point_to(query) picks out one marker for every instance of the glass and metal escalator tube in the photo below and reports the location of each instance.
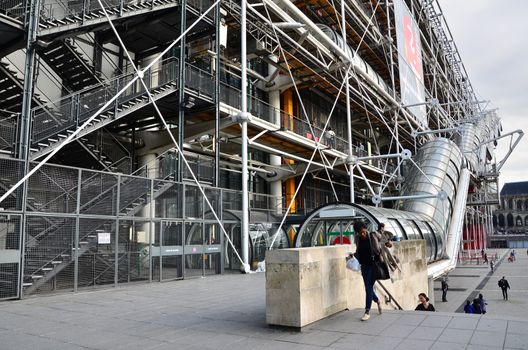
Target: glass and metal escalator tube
(333, 223)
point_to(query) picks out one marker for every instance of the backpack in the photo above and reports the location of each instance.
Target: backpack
(500, 283)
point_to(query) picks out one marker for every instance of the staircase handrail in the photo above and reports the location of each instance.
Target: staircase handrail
(70, 113)
(9, 6)
(391, 297)
(106, 83)
(297, 124)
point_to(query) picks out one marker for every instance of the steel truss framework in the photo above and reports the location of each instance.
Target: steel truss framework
(291, 117)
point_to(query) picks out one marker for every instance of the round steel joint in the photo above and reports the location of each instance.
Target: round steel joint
(406, 154)
(376, 199)
(442, 195)
(243, 116)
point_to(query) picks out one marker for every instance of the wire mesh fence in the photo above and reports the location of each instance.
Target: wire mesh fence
(86, 228)
(10, 250)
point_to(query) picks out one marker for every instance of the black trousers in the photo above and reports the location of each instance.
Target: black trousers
(444, 295)
(505, 293)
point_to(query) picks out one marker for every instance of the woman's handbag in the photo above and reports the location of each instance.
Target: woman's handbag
(380, 270)
(353, 264)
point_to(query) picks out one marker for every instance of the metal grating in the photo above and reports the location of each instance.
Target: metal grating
(10, 173)
(168, 203)
(10, 255)
(53, 189)
(96, 253)
(98, 193)
(48, 254)
(134, 195)
(133, 254)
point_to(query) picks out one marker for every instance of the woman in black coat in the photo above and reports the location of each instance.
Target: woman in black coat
(367, 249)
(424, 303)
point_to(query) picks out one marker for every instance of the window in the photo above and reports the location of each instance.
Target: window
(398, 229)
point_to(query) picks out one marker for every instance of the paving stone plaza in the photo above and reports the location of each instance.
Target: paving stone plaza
(228, 312)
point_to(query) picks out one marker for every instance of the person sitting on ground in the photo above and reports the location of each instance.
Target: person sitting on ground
(482, 303)
(476, 306)
(468, 309)
(424, 303)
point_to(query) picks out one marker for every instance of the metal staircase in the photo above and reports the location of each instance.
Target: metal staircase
(60, 16)
(50, 251)
(12, 89)
(107, 151)
(67, 61)
(52, 126)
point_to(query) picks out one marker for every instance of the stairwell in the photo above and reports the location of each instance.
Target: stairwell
(60, 17)
(50, 249)
(68, 62)
(51, 127)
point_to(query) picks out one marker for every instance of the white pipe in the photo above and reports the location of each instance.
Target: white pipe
(438, 268)
(350, 162)
(244, 118)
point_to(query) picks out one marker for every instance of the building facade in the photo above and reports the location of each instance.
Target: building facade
(149, 140)
(510, 219)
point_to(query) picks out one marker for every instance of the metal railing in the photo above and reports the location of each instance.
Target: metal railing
(82, 9)
(8, 129)
(74, 109)
(106, 145)
(14, 8)
(262, 110)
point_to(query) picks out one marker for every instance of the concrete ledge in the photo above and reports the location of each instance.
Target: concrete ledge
(304, 285)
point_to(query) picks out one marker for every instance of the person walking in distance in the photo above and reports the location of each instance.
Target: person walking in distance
(367, 249)
(445, 287)
(504, 285)
(491, 265)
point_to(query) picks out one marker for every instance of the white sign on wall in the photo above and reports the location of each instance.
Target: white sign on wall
(103, 237)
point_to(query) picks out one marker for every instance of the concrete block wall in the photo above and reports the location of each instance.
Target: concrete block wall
(304, 285)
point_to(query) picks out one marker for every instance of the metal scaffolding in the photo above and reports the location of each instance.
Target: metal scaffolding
(155, 105)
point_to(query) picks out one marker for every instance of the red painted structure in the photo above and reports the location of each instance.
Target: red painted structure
(473, 237)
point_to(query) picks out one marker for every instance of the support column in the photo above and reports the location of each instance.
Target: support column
(243, 119)
(430, 292)
(181, 91)
(24, 126)
(350, 158)
(289, 184)
(274, 101)
(149, 162)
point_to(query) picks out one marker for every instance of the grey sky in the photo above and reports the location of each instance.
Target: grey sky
(490, 36)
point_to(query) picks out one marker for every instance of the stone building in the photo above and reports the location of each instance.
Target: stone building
(512, 215)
